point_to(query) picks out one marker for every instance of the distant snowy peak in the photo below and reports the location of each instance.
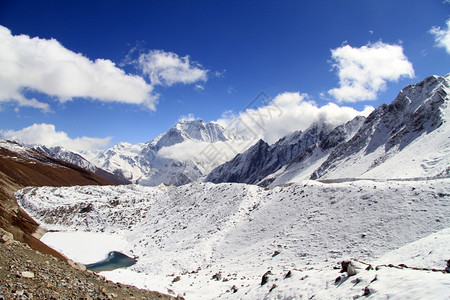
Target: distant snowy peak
(193, 130)
(143, 164)
(66, 155)
(76, 159)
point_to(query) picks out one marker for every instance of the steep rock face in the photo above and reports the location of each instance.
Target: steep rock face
(261, 160)
(301, 166)
(244, 167)
(415, 115)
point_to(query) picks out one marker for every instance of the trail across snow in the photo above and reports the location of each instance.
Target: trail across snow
(183, 236)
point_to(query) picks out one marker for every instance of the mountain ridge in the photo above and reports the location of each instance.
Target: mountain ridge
(368, 148)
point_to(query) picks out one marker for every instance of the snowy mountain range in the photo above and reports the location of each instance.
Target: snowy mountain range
(146, 165)
(357, 210)
(60, 153)
(408, 138)
(262, 160)
(389, 143)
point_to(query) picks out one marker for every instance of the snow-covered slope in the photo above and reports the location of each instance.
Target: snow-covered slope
(59, 152)
(408, 138)
(261, 160)
(66, 155)
(149, 164)
(188, 237)
(304, 164)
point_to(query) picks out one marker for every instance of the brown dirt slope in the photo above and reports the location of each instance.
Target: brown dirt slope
(21, 167)
(28, 274)
(52, 276)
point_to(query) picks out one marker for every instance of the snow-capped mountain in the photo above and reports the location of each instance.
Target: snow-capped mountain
(381, 204)
(192, 130)
(408, 138)
(301, 166)
(262, 160)
(59, 152)
(146, 163)
(66, 155)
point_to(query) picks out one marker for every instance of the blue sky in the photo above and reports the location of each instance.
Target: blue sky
(101, 72)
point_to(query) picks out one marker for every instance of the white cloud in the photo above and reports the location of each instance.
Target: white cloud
(363, 72)
(167, 68)
(45, 66)
(285, 114)
(192, 151)
(187, 118)
(220, 74)
(45, 134)
(442, 36)
(199, 87)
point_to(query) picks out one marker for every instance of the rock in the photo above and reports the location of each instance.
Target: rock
(76, 265)
(178, 278)
(276, 253)
(288, 274)
(217, 276)
(5, 236)
(274, 286)
(234, 289)
(348, 267)
(366, 291)
(27, 274)
(265, 277)
(351, 270)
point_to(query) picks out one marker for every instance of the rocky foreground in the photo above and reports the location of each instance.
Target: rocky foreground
(28, 274)
(40, 272)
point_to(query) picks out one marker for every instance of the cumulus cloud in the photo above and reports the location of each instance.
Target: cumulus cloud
(442, 36)
(168, 68)
(285, 114)
(365, 71)
(46, 66)
(200, 152)
(273, 120)
(46, 134)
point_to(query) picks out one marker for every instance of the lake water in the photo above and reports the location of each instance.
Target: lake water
(113, 261)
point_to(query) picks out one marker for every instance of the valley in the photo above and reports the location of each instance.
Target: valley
(275, 221)
(240, 231)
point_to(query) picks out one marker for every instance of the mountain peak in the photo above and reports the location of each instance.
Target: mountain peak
(194, 130)
(429, 89)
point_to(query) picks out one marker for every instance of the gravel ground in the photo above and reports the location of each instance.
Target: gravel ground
(28, 274)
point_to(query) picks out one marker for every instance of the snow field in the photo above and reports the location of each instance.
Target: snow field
(241, 231)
